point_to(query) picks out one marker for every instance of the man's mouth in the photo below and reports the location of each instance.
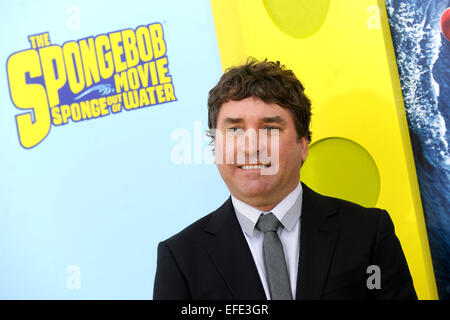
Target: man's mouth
(254, 166)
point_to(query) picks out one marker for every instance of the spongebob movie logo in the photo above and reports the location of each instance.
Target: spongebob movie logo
(87, 79)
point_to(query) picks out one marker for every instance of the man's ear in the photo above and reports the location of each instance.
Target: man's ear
(303, 148)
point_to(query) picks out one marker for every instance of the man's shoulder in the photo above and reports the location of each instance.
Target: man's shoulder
(353, 208)
(191, 230)
(193, 233)
(359, 223)
(348, 210)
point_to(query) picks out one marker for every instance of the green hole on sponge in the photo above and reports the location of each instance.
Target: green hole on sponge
(342, 168)
(298, 18)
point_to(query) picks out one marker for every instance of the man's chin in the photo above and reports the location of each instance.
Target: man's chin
(254, 196)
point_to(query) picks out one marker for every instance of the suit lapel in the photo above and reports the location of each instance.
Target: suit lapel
(318, 237)
(229, 251)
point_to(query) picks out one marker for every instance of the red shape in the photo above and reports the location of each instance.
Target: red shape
(445, 24)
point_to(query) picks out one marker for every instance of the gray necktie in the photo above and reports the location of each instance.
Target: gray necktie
(274, 261)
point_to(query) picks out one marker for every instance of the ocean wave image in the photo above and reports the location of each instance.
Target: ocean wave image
(420, 31)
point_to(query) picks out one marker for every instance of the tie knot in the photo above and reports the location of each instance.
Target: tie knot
(267, 222)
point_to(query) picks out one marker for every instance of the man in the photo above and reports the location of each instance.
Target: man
(275, 238)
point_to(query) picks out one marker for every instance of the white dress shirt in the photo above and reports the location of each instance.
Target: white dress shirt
(288, 212)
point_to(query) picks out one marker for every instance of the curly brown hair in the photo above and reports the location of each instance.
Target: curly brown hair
(269, 81)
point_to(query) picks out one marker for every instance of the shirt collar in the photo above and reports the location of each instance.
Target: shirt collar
(288, 211)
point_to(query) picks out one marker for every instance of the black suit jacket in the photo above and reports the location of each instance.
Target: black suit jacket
(211, 259)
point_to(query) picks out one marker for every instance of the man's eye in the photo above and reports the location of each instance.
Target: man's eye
(234, 130)
(270, 128)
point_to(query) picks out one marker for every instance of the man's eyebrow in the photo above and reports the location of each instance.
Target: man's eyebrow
(229, 120)
(274, 119)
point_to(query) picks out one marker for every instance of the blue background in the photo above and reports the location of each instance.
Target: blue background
(100, 194)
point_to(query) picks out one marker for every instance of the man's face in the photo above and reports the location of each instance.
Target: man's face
(257, 151)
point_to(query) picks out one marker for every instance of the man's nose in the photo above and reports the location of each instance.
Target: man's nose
(251, 142)
(249, 146)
